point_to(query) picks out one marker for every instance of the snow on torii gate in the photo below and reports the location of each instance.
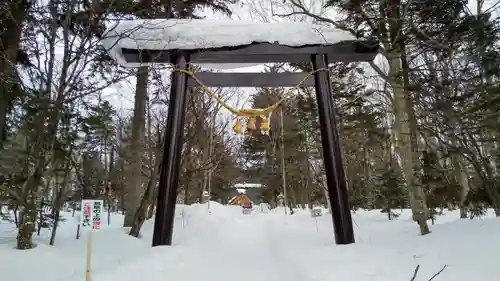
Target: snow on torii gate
(215, 43)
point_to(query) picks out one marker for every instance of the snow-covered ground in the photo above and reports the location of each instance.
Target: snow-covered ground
(225, 245)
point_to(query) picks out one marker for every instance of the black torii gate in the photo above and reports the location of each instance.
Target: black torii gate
(319, 55)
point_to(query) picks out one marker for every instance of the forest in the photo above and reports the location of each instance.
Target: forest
(418, 126)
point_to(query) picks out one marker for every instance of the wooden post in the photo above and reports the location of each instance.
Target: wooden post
(172, 148)
(88, 271)
(335, 177)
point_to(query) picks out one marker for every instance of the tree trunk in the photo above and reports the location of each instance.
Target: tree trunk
(406, 128)
(28, 218)
(152, 204)
(27, 226)
(141, 212)
(406, 146)
(56, 208)
(145, 208)
(133, 194)
(463, 180)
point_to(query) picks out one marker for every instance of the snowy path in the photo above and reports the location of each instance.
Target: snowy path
(240, 247)
(243, 249)
(289, 269)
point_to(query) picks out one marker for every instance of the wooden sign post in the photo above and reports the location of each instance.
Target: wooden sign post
(90, 218)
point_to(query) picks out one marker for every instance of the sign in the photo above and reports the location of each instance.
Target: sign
(316, 212)
(91, 213)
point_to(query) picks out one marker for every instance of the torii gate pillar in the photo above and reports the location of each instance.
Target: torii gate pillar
(332, 157)
(172, 150)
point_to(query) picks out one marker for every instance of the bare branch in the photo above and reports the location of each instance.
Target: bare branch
(439, 272)
(415, 272)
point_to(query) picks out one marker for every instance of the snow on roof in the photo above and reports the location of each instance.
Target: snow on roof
(247, 185)
(244, 196)
(189, 34)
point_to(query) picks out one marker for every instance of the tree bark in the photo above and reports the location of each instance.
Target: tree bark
(134, 188)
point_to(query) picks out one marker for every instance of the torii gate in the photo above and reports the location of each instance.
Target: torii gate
(134, 45)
